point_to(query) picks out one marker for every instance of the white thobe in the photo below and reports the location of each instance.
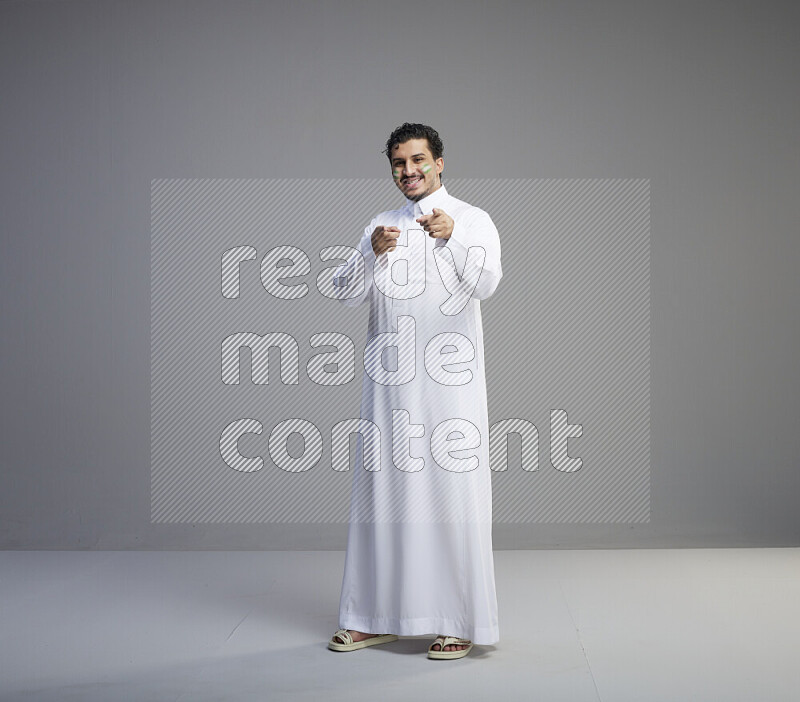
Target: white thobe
(419, 548)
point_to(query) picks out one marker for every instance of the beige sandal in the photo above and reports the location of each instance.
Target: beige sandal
(350, 645)
(443, 641)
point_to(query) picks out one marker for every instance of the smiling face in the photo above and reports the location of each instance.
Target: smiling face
(414, 169)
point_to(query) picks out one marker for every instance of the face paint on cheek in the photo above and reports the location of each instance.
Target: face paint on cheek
(426, 168)
(396, 174)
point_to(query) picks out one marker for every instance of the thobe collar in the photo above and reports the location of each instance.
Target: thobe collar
(425, 206)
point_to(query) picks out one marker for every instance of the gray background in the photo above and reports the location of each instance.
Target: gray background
(99, 98)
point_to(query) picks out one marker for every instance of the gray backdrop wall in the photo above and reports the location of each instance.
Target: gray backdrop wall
(101, 98)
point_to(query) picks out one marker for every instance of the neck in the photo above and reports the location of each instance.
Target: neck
(438, 185)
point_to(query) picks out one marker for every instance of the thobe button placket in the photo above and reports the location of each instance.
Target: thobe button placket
(403, 241)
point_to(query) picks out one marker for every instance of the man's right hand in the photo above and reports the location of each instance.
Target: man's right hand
(384, 239)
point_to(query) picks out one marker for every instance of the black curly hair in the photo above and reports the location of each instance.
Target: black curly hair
(408, 131)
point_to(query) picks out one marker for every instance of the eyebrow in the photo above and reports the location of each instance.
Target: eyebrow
(414, 156)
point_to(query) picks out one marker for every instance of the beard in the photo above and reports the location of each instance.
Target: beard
(425, 188)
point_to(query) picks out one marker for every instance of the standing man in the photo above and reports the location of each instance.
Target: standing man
(419, 548)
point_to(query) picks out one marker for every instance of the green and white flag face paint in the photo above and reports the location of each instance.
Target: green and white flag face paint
(426, 168)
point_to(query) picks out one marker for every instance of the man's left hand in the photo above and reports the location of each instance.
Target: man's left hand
(439, 224)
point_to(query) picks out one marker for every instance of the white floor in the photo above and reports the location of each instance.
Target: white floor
(638, 625)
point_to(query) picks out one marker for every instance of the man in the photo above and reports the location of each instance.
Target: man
(419, 549)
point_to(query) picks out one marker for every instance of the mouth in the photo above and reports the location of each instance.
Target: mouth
(411, 183)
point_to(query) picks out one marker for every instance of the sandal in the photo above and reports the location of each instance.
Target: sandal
(350, 645)
(443, 641)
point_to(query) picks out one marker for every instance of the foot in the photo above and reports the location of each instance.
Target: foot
(449, 647)
(357, 636)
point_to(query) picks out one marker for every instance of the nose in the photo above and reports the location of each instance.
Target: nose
(410, 168)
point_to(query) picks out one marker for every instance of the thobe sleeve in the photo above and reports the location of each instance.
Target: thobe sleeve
(477, 229)
(349, 273)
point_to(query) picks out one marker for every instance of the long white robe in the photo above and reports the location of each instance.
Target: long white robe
(419, 548)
